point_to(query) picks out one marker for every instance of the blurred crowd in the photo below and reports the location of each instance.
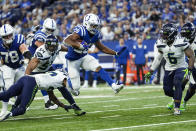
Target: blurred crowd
(126, 19)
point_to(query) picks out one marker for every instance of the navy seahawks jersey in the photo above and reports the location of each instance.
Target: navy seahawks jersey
(12, 56)
(75, 54)
(39, 36)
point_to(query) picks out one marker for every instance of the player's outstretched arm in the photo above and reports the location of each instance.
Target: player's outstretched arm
(32, 65)
(72, 40)
(156, 62)
(63, 48)
(56, 101)
(189, 53)
(105, 49)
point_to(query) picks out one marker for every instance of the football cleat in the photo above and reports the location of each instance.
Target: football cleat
(183, 106)
(177, 111)
(117, 88)
(5, 116)
(50, 106)
(170, 105)
(77, 110)
(75, 92)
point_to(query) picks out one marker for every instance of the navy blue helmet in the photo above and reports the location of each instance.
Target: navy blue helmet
(188, 31)
(51, 43)
(168, 32)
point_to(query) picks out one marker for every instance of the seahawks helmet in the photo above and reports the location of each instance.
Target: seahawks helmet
(188, 31)
(51, 43)
(168, 32)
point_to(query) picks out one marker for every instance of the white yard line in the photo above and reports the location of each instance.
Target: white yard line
(111, 106)
(148, 125)
(62, 118)
(150, 105)
(110, 116)
(161, 115)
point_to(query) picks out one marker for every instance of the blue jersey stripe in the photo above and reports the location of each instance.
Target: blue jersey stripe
(52, 24)
(4, 29)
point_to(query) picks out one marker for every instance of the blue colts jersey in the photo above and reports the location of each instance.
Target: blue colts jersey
(39, 36)
(12, 56)
(75, 54)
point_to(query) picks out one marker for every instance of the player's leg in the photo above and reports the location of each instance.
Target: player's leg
(95, 75)
(168, 86)
(8, 80)
(29, 89)
(178, 78)
(118, 70)
(73, 69)
(124, 73)
(86, 77)
(90, 63)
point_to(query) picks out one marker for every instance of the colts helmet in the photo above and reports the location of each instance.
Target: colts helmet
(49, 26)
(188, 31)
(7, 34)
(51, 43)
(168, 32)
(92, 23)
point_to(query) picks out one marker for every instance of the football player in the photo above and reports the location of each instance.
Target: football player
(12, 51)
(173, 49)
(83, 37)
(27, 86)
(39, 37)
(188, 31)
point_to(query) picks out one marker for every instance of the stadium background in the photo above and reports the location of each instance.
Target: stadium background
(127, 19)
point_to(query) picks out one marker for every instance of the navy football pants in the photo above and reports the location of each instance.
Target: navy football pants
(26, 88)
(173, 79)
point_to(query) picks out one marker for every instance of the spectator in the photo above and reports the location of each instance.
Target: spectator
(140, 59)
(121, 61)
(109, 34)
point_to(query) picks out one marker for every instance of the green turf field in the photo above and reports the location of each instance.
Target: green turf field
(134, 108)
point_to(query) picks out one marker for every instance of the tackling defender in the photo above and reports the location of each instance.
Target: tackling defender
(173, 49)
(83, 37)
(38, 39)
(12, 50)
(27, 86)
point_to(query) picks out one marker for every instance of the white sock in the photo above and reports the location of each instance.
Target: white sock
(95, 83)
(4, 106)
(46, 98)
(86, 82)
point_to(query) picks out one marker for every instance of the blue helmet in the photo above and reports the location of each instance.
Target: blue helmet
(168, 32)
(51, 43)
(188, 31)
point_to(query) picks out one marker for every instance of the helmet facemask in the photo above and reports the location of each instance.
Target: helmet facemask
(188, 31)
(8, 39)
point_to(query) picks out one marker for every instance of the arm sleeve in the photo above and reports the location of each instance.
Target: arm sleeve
(156, 61)
(39, 37)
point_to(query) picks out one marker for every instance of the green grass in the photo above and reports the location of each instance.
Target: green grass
(138, 109)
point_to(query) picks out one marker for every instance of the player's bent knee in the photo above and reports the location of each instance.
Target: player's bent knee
(168, 92)
(98, 69)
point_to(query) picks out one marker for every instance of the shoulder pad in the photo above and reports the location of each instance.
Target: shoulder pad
(80, 30)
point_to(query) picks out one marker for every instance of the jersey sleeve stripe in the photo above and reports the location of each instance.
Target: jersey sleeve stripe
(22, 38)
(180, 45)
(82, 32)
(161, 46)
(40, 35)
(18, 38)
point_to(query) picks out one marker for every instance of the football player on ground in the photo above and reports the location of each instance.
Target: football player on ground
(26, 87)
(188, 31)
(83, 37)
(173, 49)
(12, 50)
(49, 26)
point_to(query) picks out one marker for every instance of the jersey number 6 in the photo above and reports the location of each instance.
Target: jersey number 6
(172, 59)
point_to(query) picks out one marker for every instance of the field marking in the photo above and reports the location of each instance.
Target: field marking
(111, 106)
(62, 118)
(110, 116)
(161, 115)
(150, 105)
(148, 125)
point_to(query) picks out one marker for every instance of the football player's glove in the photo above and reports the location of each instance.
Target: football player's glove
(187, 73)
(147, 76)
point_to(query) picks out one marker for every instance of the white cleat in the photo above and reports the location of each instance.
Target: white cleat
(5, 116)
(94, 84)
(2, 112)
(117, 88)
(50, 106)
(177, 111)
